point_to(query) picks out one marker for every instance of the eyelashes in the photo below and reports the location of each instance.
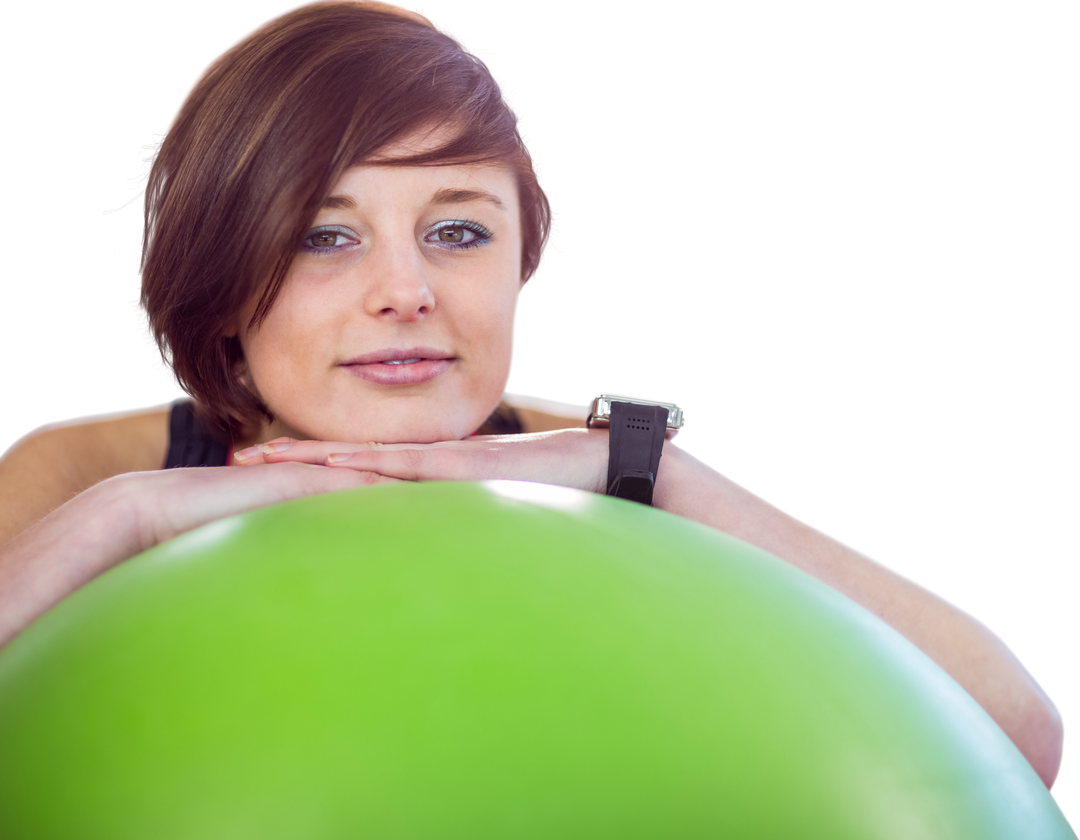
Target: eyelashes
(447, 235)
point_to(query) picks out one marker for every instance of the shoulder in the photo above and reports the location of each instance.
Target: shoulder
(53, 464)
(130, 438)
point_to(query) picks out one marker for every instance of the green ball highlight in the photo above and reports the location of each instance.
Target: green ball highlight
(497, 660)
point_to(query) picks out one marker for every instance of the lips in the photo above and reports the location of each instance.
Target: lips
(401, 375)
(400, 354)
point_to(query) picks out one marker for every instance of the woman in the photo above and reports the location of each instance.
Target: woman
(338, 226)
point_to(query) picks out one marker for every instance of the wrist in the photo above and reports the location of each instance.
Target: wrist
(670, 478)
(102, 528)
(105, 522)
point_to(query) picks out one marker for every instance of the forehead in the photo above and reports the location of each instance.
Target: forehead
(495, 177)
(383, 185)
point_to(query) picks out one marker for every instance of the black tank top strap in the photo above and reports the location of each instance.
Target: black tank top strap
(191, 443)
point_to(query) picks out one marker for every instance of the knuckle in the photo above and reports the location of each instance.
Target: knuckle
(413, 458)
(361, 478)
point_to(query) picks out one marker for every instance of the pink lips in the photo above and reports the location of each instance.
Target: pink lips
(399, 355)
(408, 373)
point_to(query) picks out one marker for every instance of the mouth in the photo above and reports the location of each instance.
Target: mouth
(400, 356)
(397, 372)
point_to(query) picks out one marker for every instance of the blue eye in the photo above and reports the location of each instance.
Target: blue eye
(454, 231)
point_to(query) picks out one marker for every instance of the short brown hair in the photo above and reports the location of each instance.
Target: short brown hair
(257, 147)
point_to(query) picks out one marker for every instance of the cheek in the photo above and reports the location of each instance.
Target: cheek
(283, 346)
(496, 316)
(489, 302)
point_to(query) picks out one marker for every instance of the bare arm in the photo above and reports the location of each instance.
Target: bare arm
(967, 650)
(73, 544)
(127, 514)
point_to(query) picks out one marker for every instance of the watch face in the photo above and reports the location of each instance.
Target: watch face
(601, 411)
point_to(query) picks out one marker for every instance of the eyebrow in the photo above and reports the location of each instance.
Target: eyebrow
(344, 202)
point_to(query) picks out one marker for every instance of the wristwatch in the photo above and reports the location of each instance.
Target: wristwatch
(635, 441)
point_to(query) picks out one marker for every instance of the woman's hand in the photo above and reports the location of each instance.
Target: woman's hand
(167, 503)
(568, 457)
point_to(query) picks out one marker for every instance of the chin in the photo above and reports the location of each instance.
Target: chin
(407, 434)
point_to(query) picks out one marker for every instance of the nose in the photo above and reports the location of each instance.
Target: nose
(398, 285)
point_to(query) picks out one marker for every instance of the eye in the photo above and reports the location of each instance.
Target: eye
(324, 239)
(451, 235)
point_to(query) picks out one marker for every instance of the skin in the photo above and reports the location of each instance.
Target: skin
(387, 282)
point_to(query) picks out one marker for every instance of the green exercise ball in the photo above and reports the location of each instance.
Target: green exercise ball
(500, 660)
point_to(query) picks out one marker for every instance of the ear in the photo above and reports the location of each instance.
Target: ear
(235, 327)
(243, 376)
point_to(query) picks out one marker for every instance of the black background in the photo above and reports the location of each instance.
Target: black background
(780, 232)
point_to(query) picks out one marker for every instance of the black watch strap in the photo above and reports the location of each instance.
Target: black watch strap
(635, 441)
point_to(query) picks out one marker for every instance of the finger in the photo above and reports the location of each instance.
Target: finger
(257, 454)
(302, 451)
(248, 457)
(407, 464)
(243, 458)
(360, 478)
(429, 463)
(365, 477)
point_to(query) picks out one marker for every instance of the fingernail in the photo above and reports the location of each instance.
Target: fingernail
(245, 454)
(338, 457)
(271, 448)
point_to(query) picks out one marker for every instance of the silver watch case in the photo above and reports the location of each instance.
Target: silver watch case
(599, 414)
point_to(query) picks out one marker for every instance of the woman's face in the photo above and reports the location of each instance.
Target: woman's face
(395, 322)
